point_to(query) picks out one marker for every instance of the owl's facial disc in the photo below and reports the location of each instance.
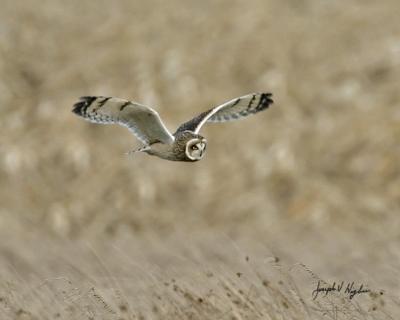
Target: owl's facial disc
(196, 148)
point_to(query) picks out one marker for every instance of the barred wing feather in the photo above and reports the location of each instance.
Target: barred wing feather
(142, 121)
(231, 110)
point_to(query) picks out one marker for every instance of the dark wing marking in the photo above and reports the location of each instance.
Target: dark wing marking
(143, 121)
(231, 110)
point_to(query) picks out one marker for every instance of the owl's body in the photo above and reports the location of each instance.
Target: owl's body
(177, 150)
(145, 123)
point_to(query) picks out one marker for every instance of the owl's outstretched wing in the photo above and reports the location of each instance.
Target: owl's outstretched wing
(142, 121)
(231, 110)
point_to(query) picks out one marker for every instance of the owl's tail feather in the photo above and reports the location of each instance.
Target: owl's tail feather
(140, 149)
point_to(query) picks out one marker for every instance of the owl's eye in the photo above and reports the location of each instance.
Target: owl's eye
(194, 147)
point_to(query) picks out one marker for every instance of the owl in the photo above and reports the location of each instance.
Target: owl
(186, 144)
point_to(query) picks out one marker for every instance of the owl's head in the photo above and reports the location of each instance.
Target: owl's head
(195, 148)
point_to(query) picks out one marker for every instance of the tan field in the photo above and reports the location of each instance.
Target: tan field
(306, 193)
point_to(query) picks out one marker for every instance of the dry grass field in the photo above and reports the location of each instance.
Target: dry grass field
(307, 191)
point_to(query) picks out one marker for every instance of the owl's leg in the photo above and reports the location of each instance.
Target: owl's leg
(140, 149)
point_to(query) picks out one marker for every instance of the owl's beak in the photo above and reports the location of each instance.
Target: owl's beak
(203, 147)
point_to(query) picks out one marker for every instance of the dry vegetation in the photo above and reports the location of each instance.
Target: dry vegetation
(88, 233)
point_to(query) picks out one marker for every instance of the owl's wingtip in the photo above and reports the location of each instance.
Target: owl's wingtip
(267, 94)
(265, 97)
(265, 100)
(77, 107)
(81, 106)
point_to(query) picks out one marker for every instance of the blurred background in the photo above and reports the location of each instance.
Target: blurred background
(314, 179)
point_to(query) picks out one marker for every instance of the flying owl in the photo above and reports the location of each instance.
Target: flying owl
(186, 144)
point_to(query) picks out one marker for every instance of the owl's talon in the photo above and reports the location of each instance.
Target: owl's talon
(130, 153)
(140, 149)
